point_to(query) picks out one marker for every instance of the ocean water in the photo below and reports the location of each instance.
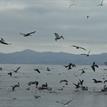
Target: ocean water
(61, 94)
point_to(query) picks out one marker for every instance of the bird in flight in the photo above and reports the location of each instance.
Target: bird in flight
(2, 41)
(78, 47)
(87, 54)
(57, 36)
(28, 34)
(37, 70)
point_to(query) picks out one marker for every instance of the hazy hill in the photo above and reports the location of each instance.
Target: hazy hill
(32, 57)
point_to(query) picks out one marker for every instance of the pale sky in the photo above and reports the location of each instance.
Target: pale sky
(50, 16)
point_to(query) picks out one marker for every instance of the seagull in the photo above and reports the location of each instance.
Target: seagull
(93, 66)
(87, 54)
(2, 41)
(28, 34)
(57, 36)
(37, 70)
(78, 47)
(17, 69)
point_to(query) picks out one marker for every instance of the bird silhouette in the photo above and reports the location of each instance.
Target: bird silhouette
(94, 66)
(15, 86)
(97, 81)
(87, 54)
(28, 34)
(10, 73)
(70, 65)
(57, 36)
(78, 47)
(17, 69)
(2, 41)
(37, 70)
(66, 81)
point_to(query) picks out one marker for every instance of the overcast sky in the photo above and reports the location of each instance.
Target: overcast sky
(66, 17)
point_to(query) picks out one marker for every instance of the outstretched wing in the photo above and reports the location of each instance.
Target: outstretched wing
(31, 32)
(56, 35)
(82, 48)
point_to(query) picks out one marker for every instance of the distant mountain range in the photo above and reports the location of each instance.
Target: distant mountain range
(32, 57)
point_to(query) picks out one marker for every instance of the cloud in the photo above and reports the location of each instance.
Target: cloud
(47, 17)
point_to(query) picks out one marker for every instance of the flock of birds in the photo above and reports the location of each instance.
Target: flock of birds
(45, 86)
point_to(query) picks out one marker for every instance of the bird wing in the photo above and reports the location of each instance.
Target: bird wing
(56, 35)
(31, 32)
(82, 48)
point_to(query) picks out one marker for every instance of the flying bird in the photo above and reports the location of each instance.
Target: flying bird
(57, 36)
(2, 41)
(28, 34)
(66, 81)
(17, 69)
(37, 70)
(70, 65)
(87, 54)
(93, 66)
(78, 47)
(97, 81)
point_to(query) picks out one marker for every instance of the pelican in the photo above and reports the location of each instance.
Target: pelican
(57, 36)
(66, 81)
(93, 66)
(37, 70)
(28, 34)
(17, 85)
(17, 69)
(78, 47)
(70, 65)
(97, 81)
(87, 54)
(2, 41)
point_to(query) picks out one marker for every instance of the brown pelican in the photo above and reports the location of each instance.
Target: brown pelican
(70, 65)
(33, 82)
(48, 69)
(66, 81)
(93, 66)
(97, 81)
(57, 36)
(17, 85)
(37, 70)
(27, 34)
(2, 41)
(17, 69)
(10, 73)
(87, 54)
(78, 47)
